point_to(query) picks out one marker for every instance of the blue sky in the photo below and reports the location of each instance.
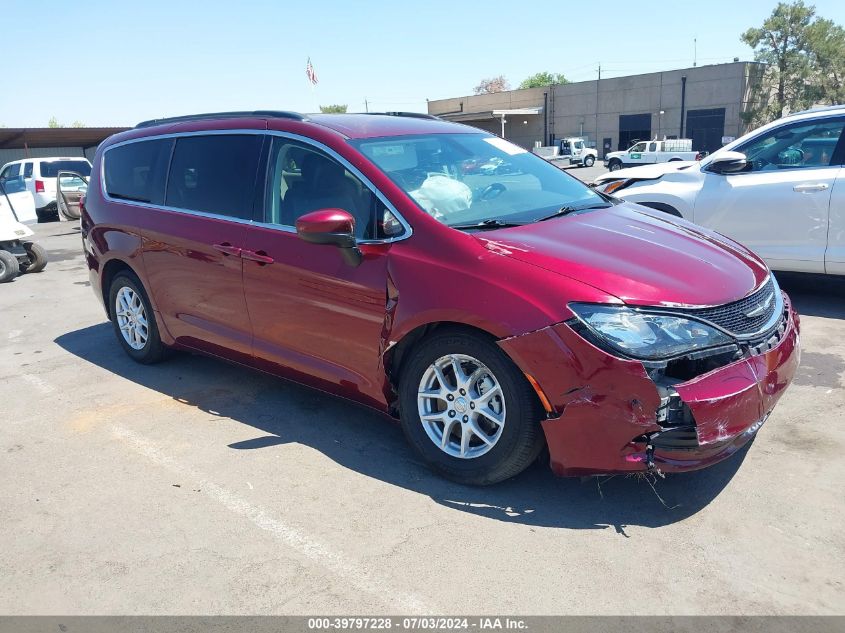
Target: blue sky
(118, 62)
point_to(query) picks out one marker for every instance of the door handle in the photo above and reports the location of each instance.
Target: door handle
(810, 188)
(260, 257)
(227, 249)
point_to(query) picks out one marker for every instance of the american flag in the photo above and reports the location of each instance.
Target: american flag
(309, 72)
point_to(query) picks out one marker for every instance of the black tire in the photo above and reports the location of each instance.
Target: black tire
(521, 439)
(153, 350)
(9, 268)
(37, 258)
(614, 165)
(589, 161)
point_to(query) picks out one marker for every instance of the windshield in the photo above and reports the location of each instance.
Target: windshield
(52, 168)
(466, 179)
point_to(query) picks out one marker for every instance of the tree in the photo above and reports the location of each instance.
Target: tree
(539, 80)
(77, 123)
(491, 85)
(826, 45)
(53, 122)
(805, 58)
(336, 108)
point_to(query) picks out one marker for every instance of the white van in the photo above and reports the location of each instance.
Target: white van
(39, 176)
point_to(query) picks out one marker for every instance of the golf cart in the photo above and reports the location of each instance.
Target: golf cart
(18, 255)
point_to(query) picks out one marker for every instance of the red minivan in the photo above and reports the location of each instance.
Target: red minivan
(492, 303)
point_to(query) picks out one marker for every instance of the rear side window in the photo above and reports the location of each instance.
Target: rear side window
(27, 170)
(137, 171)
(215, 174)
(52, 168)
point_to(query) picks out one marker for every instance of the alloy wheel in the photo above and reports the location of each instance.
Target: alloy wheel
(461, 406)
(131, 318)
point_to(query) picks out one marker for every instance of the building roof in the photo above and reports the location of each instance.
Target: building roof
(23, 137)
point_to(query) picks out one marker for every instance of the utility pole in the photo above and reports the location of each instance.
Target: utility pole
(366, 105)
(694, 52)
(597, 108)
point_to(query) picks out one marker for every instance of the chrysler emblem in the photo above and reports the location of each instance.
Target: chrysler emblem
(761, 307)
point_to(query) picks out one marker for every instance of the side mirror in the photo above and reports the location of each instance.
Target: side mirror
(331, 226)
(727, 163)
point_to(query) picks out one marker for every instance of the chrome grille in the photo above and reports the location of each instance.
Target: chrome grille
(746, 316)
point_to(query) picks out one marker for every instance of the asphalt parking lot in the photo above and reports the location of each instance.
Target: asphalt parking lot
(197, 487)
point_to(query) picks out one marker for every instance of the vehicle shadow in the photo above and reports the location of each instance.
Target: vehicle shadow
(372, 444)
(815, 295)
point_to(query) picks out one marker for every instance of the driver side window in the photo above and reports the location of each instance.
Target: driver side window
(808, 144)
(303, 179)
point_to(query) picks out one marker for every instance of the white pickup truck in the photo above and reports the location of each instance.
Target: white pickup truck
(649, 152)
(572, 149)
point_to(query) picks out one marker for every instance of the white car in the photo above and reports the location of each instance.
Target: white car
(39, 176)
(780, 190)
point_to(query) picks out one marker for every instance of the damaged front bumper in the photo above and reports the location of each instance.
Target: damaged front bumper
(611, 415)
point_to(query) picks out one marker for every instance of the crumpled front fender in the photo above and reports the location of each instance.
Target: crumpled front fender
(602, 408)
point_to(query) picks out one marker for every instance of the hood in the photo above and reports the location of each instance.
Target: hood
(640, 255)
(647, 172)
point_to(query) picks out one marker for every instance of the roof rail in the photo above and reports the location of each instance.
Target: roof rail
(818, 109)
(275, 114)
(410, 115)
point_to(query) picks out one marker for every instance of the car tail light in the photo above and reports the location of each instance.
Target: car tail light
(699, 156)
(39, 186)
(82, 204)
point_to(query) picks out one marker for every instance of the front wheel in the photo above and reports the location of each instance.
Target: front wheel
(9, 268)
(615, 165)
(467, 410)
(134, 321)
(37, 258)
(589, 161)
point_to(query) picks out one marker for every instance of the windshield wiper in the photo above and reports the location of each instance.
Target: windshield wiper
(567, 209)
(489, 223)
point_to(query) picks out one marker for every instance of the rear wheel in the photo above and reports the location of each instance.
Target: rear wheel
(467, 410)
(9, 268)
(134, 321)
(37, 258)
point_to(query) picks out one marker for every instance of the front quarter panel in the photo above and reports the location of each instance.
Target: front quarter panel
(456, 279)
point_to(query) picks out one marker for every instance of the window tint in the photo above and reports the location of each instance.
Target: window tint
(52, 168)
(214, 174)
(136, 171)
(27, 170)
(12, 171)
(13, 185)
(303, 179)
(652, 147)
(801, 145)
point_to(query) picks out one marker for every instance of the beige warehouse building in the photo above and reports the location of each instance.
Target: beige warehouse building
(703, 103)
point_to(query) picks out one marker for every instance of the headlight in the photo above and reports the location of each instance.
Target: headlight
(645, 335)
(614, 185)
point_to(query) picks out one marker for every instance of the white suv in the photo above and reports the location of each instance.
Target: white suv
(39, 176)
(780, 190)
